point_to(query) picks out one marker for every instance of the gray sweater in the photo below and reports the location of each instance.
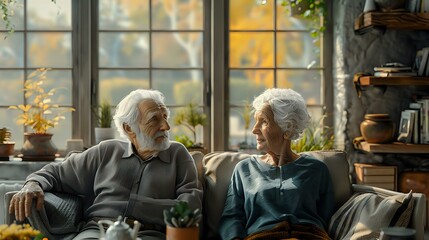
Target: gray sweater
(114, 180)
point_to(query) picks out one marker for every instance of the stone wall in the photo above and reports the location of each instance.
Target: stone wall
(355, 53)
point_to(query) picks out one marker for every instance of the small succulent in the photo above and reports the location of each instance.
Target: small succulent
(4, 135)
(181, 216)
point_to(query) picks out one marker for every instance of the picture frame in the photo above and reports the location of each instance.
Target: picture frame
(406, 124)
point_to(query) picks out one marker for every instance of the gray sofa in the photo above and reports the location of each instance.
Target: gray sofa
(215, 170)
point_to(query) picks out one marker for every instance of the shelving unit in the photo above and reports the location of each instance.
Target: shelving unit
(395, 147)
(394, 20)
(397, 80)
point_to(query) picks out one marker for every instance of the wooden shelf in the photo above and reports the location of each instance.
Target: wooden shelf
(394, 20)
(402, 80)
(395, 147)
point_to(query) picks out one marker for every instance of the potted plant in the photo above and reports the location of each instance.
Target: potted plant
(182, 222)
(104, 131)
(41, 115)
(312, 10)
(6, 147)
(190, 117)
(315, 137)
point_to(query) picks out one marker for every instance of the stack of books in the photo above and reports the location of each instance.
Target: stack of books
(393, 69)
(422, 61)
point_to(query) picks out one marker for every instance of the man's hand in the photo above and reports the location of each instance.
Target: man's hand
(21, 202)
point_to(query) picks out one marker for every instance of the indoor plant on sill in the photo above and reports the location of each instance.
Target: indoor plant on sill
(40, 117)
(104, 130)
(6, 147)
(191, 117)
(182, 223)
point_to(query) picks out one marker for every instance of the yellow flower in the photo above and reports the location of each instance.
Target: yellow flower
(19, 232)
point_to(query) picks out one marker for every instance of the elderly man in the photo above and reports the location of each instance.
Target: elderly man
(136, 178)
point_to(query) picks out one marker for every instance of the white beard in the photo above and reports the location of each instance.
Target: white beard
(147, 143)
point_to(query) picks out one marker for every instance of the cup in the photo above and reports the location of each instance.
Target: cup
(397, 233)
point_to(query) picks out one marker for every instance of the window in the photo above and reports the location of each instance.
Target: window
(218, 54)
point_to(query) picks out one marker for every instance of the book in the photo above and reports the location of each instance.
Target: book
(392, 74)
(417, 122)
(424, 121)
(412, 5)
(392, 69)
(423, 62)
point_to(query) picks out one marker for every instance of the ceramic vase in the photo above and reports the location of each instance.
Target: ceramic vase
(38, 147)
(377, 128)
(191, 233)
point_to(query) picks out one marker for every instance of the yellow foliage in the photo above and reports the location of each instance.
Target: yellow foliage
(18, 232)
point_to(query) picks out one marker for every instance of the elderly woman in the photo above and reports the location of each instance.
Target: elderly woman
(281, 194)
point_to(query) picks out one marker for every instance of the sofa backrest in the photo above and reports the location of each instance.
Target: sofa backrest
(217, 168)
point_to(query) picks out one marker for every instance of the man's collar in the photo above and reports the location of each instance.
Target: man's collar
(163, 155)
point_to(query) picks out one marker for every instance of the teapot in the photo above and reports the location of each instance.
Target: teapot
(118, 230)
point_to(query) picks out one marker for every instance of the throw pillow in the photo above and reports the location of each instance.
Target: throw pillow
(363, 215)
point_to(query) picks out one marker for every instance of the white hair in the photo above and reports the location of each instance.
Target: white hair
(127, 111)
(289, 108)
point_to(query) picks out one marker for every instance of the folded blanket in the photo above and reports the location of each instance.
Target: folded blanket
(285, 230)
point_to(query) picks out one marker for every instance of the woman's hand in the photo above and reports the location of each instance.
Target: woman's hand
(21, 202)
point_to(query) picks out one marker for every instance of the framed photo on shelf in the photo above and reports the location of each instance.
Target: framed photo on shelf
(406, 126)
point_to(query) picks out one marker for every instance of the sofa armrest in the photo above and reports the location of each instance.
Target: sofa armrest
(418, 218)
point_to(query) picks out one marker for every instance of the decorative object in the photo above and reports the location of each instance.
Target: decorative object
(377, 128)
(182, 223)
(40, 117)
(312, 10)
(391, 5)
(6, 147)
(118, 230)
(315, 137)
(190, 117)
(104, 130)
(19, 232)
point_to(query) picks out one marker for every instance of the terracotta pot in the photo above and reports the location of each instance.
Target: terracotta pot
(191, 233)
(377, 128)
(6, 150)
(38, 147)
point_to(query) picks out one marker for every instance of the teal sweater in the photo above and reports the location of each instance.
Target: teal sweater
(261, 195)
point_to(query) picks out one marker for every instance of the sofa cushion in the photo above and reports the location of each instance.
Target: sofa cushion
(363, 215)
(218, 168)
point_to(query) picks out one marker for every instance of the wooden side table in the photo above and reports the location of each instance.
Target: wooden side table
(376, 175)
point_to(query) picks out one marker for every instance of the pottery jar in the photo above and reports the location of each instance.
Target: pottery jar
(377, 128)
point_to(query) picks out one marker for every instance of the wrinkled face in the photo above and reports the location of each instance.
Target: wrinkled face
(269, 136)
(153, 125)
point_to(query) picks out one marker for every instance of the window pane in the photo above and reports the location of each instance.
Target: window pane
(179, 86)
(123, 50)
(116, 84)
(11, 82)
(307, 82)
(49, 50)
(239, 137)
(12, 51)
(177, 130)
(8, 120)
(251, 50)
(62, 131)
(62, 81)
(287, 22)
(246, 15)
(17, 20)
(246, 84)
(125, 14)
(42, 15)
(177, 49)
(297, 49)
(177, 15)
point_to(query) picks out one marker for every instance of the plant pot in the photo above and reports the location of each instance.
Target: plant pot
(377, 128)
(6, 150)
(38, 147)
(191, 233)
(102, 134)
